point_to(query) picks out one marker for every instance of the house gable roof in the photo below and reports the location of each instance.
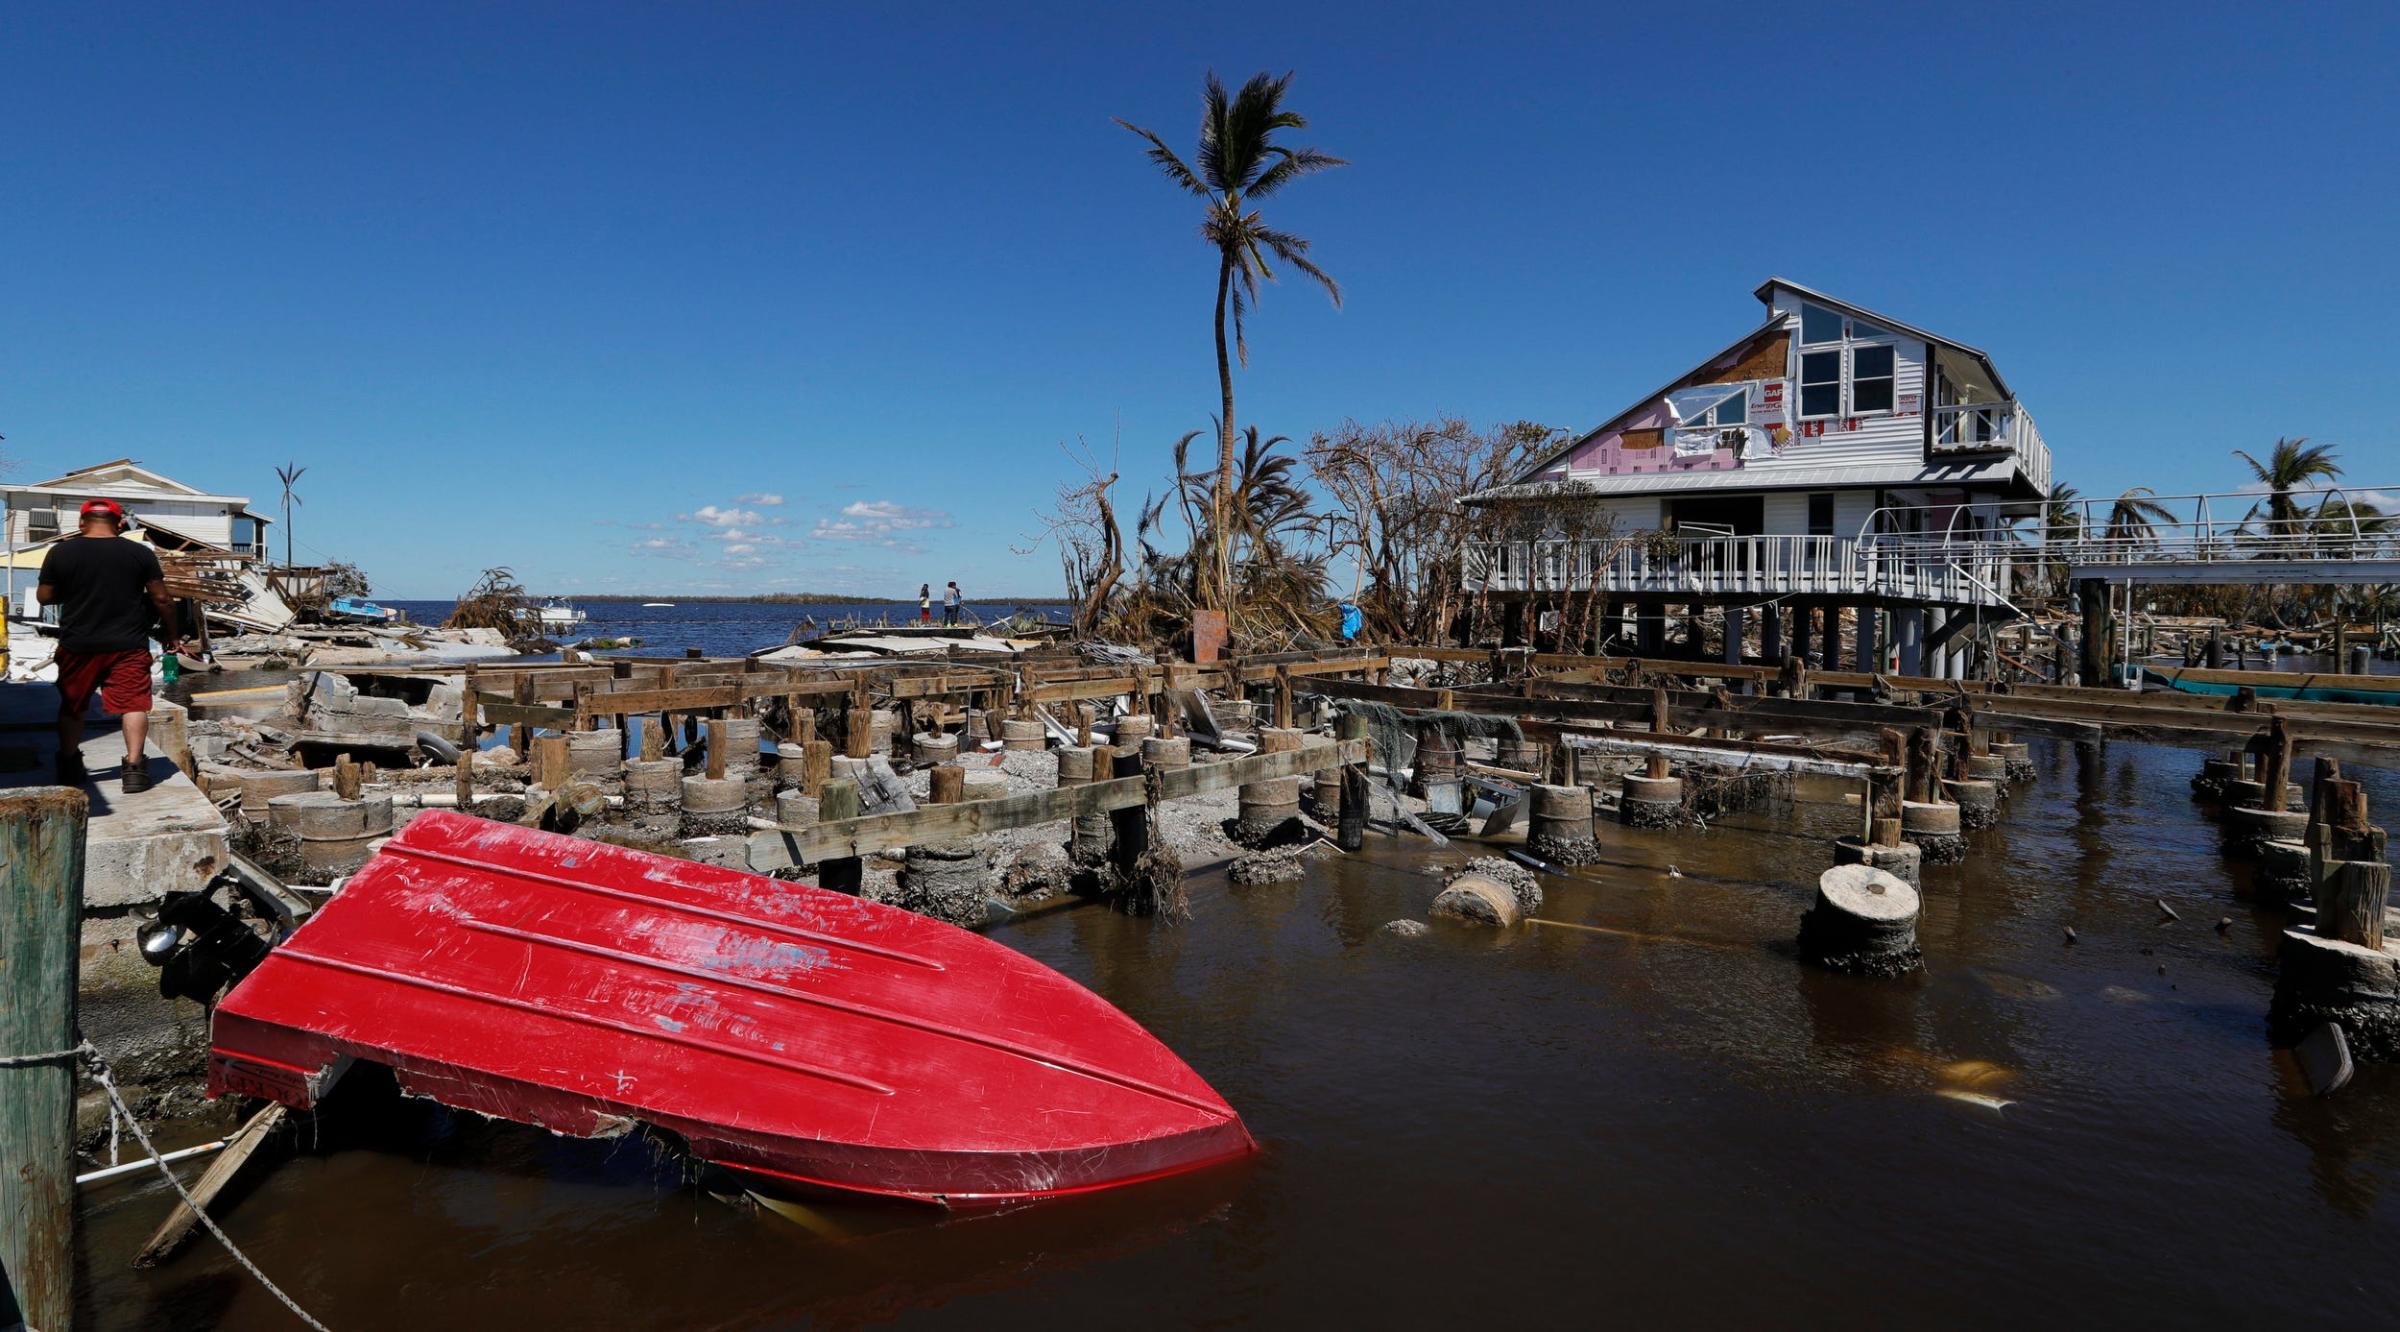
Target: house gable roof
(1774, 324)
(1766, 293)
(123, 471)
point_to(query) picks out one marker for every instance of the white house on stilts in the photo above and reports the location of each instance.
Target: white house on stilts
(1831, 458)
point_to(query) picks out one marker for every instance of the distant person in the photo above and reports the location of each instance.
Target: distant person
(924, 603)
(109, 593)
(950, 601)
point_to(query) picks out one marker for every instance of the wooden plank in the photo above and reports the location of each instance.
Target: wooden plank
(239, 1148)
(499, 710)
(940, 823)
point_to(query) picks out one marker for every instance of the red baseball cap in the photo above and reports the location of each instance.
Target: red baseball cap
(107, 506)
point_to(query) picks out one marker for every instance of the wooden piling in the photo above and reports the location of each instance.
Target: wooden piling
(816, 766)
(858, 721)
(346, 777)
(716, 748)
(838, 800)
(1351, 833)
(1129, 827)
(41, 866)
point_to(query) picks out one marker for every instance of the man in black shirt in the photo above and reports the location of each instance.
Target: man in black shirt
(109, 592)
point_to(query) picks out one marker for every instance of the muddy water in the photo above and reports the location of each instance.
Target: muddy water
(1659, 1117)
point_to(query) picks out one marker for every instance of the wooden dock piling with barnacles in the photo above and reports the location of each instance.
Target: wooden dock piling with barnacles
(41, 874)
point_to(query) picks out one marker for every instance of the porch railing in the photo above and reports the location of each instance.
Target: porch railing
(1744, 565)
(1993, 427)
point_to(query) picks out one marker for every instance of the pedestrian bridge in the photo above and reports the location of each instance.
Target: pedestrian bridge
(2331, 534)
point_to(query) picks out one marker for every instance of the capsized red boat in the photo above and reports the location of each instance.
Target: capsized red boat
(779, 1029)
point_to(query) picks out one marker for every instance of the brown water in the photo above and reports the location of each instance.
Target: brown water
(1663, 1119)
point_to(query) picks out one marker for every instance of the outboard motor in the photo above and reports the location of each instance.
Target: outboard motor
(200, 947)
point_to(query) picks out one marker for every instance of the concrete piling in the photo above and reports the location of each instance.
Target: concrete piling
(1559, 825)
(258, 788)
(653, 805)
(1477, 899)
(2247, 831)
(2282, 876)
(1978, 802)
(1935, 830)
(1087, 840)
(1651, 802)
(715, 806)
(1902, 860)
(935, 747)
(1268, 813)
(1863, 922)
(1167, 752)
(1023, 734)
(335, 835)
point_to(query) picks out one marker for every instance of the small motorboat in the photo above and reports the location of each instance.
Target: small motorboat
(658, 605)
(557, 614)
(802, 1038)
(358, 610)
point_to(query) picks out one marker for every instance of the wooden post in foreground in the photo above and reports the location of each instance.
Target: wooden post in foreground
(838, 800)
(41, 877)
(1351, 832)
(1131, 825)
(816, 767)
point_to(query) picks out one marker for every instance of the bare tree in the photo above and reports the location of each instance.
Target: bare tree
(1396, 516)
(1091, 546)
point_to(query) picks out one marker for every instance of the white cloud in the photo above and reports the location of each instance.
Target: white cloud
(732, 516)
(879, 522)
(766, 499)
(664, 548)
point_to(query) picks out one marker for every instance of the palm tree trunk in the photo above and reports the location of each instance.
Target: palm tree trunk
(1219, 597)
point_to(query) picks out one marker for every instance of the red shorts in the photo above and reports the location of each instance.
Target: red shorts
(123, 679)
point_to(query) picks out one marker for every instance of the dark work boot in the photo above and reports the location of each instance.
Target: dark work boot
(135, 779)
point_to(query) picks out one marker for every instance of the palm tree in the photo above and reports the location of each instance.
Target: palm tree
(2062, 523)
(1239, 164)
(289, 475)
(2292, 464)
(2133, 518)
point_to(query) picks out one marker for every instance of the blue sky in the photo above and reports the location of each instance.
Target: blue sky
(562, 288)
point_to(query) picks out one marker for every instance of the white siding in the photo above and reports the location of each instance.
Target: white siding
(1632, 513)
(1787, 511)
(1879, 439)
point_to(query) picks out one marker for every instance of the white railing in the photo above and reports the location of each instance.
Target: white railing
(1744, 566)
(2333, 533)
(1993, 427)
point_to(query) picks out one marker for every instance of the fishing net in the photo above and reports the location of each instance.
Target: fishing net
(1395, 732)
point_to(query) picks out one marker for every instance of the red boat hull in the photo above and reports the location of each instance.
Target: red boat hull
(777, 1028)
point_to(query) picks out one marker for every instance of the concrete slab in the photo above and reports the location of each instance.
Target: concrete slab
(138, 847)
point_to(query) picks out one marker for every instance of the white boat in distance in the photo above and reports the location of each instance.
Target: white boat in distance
(557, 614)
(657, 605)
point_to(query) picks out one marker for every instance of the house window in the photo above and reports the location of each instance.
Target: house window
(1845, 370)
(1820, 515)
(1732, 411)
(1821, 383)
(1871, 371)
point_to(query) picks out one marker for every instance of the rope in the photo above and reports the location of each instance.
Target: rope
(46, 1057)
(102, 1074)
